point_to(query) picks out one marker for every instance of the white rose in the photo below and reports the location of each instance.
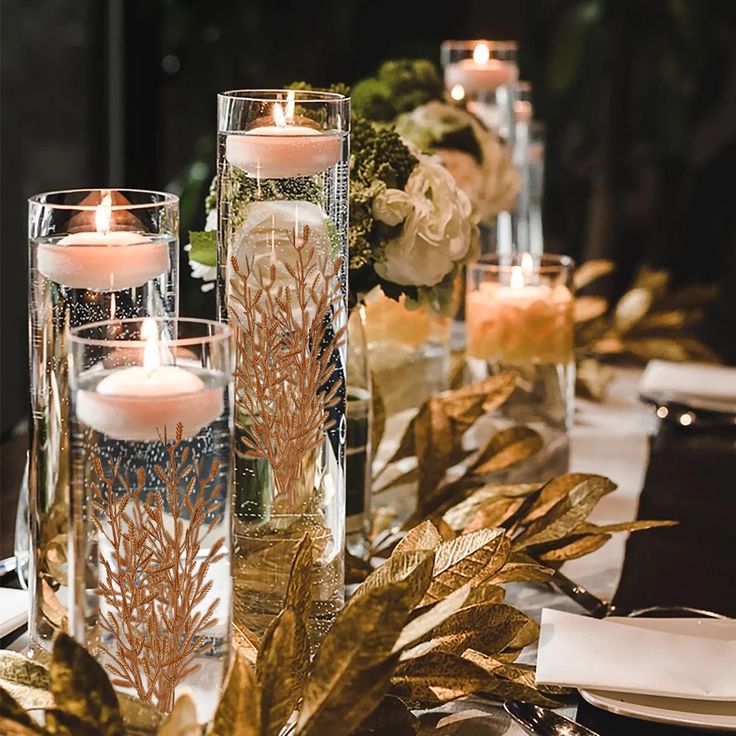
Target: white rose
(438, 231)
(267, 237)
(391, 206)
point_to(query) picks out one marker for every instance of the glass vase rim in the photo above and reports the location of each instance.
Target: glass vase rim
(470, 43)
(544, 263)
(268, 94)
(221, 333)
(164, 199)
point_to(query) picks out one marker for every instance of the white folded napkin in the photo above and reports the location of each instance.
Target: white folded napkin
(699, 385)
(681, 658)
(13, 609)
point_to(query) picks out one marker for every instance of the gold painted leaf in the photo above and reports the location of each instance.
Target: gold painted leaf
(507, 448)
(379, 415)
(632, 307)
(438, 677)
(566, 514)
(468, 559)
(391, 716)
(522, 572)
(14, 711)
(577, 548)
(81, 688)
(627, 526)
(182, 721)
(51, 607)
(588, 308)
(554, 490)
(26, 681)
(591, 271)
(10, 727)
(419, 627)
(140, 719)
(414, 567)
(488, 628)
(245, 640)
(592, 378)
(459, 515)
(396, 478)
(457, 369)
(513, 682)
(354, 663)
(299, 588)
(424, 536)
(239, 711)
(486, 592)
(281, 671)
(356, 569)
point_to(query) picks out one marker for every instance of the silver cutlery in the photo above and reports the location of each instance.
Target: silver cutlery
(544, 722)
(599, 608)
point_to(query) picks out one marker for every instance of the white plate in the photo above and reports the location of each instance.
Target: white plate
(13, 609)
(707, 714)
(714, 715)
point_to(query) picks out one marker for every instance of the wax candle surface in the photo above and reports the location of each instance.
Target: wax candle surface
(104, 259)
(281, 149)
(137, 402)
(520, 323)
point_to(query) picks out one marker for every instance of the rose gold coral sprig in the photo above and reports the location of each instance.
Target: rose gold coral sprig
(154, 580)
(285, 378)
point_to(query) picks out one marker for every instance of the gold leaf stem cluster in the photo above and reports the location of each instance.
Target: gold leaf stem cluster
(154, 581)
(287, 336)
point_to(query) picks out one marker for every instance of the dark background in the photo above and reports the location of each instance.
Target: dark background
(639, 97)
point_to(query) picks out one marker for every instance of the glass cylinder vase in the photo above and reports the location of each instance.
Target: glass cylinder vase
(150, 505)
(519, 318)
(409, 351)
(359, 437)
(282, 185)
(94, 254)
(482, 75)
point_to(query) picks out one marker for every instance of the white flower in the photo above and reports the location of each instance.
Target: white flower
(211, 221)
(208, 274)
(438, 232)
(492, 182)
(267, 237)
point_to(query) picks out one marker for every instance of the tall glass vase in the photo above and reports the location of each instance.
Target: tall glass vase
(282, 256)
(94, 255)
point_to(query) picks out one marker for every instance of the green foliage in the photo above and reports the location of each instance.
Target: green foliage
(400, 86)
(204, 247)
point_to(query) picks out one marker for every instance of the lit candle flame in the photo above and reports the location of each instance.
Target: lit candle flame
(103, 214)
(517, 277)
(283, 115)
(290, 104)
(457, 92)
(151, 351)
(481, 54)
(521, 275)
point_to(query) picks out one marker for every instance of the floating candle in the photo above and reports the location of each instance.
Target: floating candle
(281, 149)
(479, 74)
(104, 259)
(136, 402)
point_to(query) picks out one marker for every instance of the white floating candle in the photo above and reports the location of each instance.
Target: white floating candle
(102, 260)
(137, 402)
(283, 150)
(479, 74)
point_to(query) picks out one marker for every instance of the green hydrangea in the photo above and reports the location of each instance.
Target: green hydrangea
(400, 86)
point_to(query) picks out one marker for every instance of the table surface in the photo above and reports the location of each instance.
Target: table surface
(611, 439)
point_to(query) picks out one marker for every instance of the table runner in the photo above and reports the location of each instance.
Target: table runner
(691, 478)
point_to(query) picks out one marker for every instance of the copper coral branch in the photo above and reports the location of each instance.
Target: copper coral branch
(156, 581)
(287, 337)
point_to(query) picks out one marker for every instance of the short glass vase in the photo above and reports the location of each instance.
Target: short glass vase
(149, 552)
(519, 317)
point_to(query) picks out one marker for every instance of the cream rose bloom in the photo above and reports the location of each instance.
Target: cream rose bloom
(438, 231)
